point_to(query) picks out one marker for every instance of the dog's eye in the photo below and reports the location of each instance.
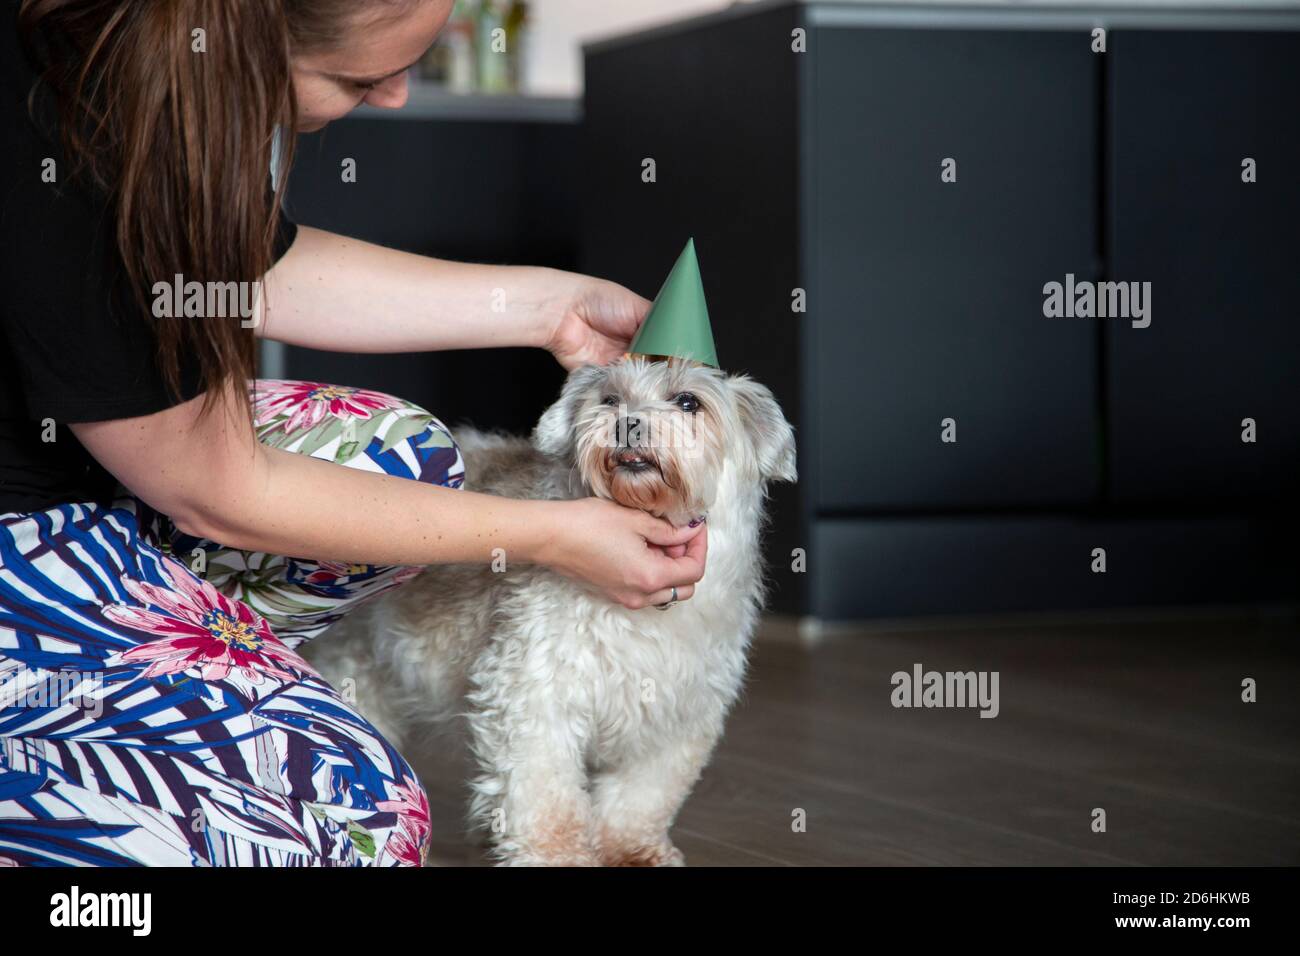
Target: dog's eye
(687, 402)
(610, 400)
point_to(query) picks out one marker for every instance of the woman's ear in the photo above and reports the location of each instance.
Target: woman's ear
(554, 433)
(770, 435)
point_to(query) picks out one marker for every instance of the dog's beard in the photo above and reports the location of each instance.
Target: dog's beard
(657, 488)
(669, 484)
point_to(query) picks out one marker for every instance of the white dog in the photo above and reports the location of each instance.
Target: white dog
(590, 722)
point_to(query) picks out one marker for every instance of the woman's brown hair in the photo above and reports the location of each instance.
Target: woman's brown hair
(180, 141)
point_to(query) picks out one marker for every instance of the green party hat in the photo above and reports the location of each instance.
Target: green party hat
(677, 326)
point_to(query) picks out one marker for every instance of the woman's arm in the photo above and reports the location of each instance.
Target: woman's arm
(338, 294)
(216, 481)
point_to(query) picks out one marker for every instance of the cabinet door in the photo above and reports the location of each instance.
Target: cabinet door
(926, 299)
(1223, 260)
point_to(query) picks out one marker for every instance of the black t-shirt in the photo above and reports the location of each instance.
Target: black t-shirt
(71, 350)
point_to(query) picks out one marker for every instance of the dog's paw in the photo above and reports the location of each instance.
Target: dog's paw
(658, 854)
(573, 858)
(545, 850)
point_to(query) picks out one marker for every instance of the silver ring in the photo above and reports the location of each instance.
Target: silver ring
(670, 602)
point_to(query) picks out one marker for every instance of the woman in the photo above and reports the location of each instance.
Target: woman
(169, 532)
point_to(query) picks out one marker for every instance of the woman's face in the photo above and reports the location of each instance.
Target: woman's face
(369, 66)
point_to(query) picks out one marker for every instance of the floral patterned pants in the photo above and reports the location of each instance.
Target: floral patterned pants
(153, 709)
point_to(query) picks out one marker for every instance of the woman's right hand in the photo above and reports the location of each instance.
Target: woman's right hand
(632, 557)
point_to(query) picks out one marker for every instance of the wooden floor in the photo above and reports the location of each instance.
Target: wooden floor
(1141, 718)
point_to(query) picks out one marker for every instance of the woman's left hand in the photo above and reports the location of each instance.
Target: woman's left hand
(597, 323)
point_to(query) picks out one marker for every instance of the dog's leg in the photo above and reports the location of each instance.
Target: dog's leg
(635, 804)
(532, 801)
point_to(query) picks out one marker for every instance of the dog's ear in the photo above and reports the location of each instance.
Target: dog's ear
(554, 433)
(769, 432)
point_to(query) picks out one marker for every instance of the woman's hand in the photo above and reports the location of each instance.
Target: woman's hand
(596, 323)
(631, 557)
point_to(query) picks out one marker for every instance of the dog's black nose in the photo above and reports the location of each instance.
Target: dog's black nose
(630, 432)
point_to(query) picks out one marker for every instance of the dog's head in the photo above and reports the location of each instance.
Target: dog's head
(657, 435)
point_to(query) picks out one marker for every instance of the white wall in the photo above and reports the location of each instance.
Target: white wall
(559, 27)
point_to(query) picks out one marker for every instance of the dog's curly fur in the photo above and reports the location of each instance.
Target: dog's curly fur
(590, 722)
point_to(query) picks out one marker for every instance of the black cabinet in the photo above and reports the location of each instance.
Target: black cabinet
(821, 170)
(927, 294)
(1223, 259)
(717, 114)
